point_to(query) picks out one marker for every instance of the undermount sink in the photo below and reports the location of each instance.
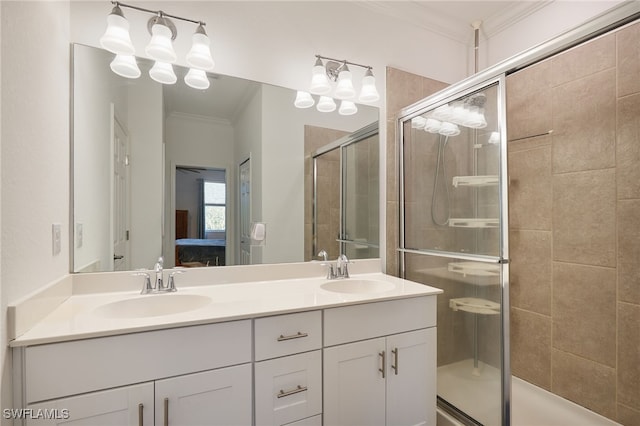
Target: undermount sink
(357, 286)
(153, 305)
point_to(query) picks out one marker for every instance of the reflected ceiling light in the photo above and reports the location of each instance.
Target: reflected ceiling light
(326, 104)
(125, 66)
(197, 79)
(303, 100)
(449, 129)
(335, 70)
(369, 93)
(319, 81)
(162, 72)
(200, 54)
(163, 31)
(347, 108)
(116, 38)
(432, 125)
(418, 122)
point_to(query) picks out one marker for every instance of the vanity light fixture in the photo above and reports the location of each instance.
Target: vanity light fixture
(335, 70)
(303, 100)
(163, 31)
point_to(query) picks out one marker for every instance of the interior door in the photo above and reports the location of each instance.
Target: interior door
(120, 196)
(245, 212)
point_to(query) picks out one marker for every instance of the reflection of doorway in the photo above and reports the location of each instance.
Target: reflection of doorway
(120, 195)
(245, 212)
(201, 216)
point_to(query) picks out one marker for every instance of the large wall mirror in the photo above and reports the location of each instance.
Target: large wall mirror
(154, 164)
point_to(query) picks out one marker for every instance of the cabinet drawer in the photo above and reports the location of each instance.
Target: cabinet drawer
(288, 389)
(287, 334)
(68, 368)
(359, 322)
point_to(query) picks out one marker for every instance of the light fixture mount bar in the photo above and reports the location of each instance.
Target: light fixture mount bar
(344, 62)
(159, 13)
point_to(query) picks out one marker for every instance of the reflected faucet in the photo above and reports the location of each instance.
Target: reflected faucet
(159, 285)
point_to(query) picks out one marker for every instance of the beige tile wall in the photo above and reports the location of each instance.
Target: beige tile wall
(574, 206)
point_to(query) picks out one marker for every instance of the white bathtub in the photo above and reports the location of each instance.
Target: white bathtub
(530, 405)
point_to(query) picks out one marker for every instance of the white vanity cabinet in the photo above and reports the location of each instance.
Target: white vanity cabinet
(386, 380)
(187, 376)
(288, 369)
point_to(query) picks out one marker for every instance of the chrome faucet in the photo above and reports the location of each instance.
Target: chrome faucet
(339, 270)
(158, 284)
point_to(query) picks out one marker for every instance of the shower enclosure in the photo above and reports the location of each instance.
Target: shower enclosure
(453, 236)
(345, 194)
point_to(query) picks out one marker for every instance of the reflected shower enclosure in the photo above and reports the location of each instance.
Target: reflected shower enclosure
(453, 222)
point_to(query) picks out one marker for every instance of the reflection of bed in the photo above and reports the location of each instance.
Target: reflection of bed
(199, 252)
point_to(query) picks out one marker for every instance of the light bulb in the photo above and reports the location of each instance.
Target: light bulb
(303, 100)
(369, 93)
(344, 89)
(197, 79)
(347, 108)
(160, 47)
(125, 66)
(116, 37)
(326, 104)
(200, 54)
(162, 72)
(319, 81)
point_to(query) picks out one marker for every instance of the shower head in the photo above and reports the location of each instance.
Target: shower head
(477, 99)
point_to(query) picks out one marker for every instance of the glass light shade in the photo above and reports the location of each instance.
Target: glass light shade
(344, 89)
(160, 47)
(432, 125)
(197, 79)
(459, 113)
(369, 93)
(443, 113)
(449, 129)
(319, 81)
(326, 104)
(116, 38)
(347, 108)
(475, 118)
(200, 54)
(494, 138)
(418, 122)
(303, 100)
(162, 72)
(125, 66)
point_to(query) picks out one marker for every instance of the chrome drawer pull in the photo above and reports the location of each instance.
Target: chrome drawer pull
(298, 389)
(298, 335)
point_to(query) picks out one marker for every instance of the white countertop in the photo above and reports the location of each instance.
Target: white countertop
(78, 317)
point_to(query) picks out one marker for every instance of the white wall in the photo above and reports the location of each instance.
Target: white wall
(34, 152)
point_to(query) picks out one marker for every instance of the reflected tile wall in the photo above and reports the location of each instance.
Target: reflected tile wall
(574, 204)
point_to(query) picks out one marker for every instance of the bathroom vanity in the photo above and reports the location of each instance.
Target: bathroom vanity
(294, 351)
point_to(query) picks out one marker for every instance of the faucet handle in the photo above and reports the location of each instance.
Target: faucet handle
(172, 281)
(324, 255)
(147, 287)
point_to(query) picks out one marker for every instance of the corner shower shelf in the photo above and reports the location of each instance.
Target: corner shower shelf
(475, 305)
(474, 223)
(475, 181)
(475, 269)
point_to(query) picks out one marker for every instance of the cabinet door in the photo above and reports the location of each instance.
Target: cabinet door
(354, 386)
(216, 397)
(131, 405)
(411, 381)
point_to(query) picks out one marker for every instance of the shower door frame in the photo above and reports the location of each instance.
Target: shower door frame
(502, 259)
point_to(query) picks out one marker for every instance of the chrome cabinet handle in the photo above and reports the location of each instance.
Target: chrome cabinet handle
(383, 355)
(166, 412)
(140, 414)
(298, 335)
(294, 391)
(395, 361)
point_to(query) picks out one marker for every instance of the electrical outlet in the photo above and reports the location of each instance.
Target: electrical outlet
(78, 235)
(57, 238)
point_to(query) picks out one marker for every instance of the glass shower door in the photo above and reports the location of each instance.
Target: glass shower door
(453, 237)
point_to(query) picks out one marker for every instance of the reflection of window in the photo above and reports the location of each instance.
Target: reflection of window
(214, 206)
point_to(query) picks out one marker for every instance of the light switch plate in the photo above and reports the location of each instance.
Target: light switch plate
(56, 238)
